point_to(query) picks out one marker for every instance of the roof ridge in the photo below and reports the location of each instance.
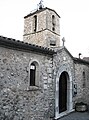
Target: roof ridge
(39, 10)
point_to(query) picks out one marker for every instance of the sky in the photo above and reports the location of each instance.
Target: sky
(74, 21)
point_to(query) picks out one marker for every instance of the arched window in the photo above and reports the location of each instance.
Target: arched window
(35, 23)
(53, 23)
(34, 74)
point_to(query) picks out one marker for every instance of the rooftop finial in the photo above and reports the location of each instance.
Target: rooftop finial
(40, 4)
(79, 55)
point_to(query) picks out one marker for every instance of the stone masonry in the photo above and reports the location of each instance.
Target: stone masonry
(19, 101)
(82, 82)
(44, 32)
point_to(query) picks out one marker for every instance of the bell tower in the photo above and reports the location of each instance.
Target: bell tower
(42, 27)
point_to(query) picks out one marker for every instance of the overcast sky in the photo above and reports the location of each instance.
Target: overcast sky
(74, 22)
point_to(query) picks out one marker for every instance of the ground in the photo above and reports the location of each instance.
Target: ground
(76, 116)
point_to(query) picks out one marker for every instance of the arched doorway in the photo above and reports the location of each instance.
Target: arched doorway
(63, 92)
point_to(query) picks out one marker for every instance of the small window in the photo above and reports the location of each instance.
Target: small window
(53, 23)
(84, 79)
(35, 23)
(53, 19)
(53, 28)
(32, 74)
(52, 42)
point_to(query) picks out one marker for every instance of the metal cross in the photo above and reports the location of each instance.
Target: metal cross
(40, 4)
(63, 40)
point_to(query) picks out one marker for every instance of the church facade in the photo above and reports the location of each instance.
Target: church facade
(39, 79)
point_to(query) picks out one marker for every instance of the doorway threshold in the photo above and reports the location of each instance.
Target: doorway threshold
(64, 114)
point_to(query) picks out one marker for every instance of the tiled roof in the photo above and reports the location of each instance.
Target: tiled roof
(81, 61)
(17, 44)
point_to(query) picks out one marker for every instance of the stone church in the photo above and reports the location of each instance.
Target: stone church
(39, 79)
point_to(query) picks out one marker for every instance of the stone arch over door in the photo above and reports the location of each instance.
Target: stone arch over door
(65, 74)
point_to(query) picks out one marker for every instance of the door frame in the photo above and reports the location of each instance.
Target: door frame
(69, 92)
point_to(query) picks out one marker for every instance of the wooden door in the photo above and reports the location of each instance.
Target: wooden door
(63, 92)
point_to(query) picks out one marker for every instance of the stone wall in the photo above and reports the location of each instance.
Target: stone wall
(29, 22)
(86, 87)
(19, 101)
(43, 38)
(82, 83)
